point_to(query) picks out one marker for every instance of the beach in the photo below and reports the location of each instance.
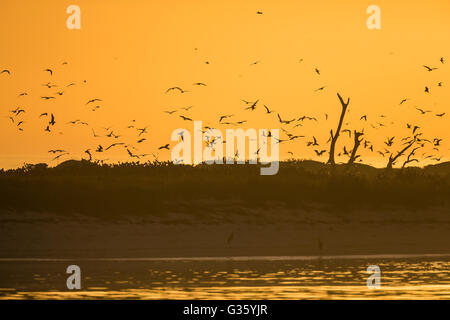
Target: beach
(270, 232)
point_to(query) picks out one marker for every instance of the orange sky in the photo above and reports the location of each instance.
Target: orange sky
(130, 52)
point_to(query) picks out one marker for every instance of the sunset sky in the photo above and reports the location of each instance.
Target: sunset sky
(131, 51)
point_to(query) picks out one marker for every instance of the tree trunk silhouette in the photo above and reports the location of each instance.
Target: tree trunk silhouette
(335, 136)
(392, 159)
(353, 155)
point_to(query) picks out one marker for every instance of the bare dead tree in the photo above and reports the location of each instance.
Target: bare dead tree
(393, 158)
(356, 145)
(409, 159)
(335, 136)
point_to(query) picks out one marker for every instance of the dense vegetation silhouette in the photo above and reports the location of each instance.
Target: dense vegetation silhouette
(160, 187)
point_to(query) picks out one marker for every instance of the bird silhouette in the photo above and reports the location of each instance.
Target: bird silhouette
(253, 106)
(225, 117)
(176, 88)
(230, 238)
(389, 141)
(88, 152)
(166, 146)
(185, 118)
(429, 68)
(54, 151)
(60, 155)
(114, 145)
(93, 100)
(320, 89)
(141, 131)
(319, 153)
(320, 245)
(268, 110)
(423, 111)
(52, 120)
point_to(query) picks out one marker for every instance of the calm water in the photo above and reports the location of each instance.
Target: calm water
(406, 277)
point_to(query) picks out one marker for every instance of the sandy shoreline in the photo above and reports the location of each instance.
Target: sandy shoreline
(34, 235)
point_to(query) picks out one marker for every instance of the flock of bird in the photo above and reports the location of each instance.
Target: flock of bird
(288, 126)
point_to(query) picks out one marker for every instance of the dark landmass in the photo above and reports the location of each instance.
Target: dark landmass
(110, 191)
(82, 209)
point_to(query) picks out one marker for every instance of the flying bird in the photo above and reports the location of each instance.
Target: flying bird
(56, 151)
(93, 100)
(141, 131)
(166, 146)
(389, 141)
(320, 89)
(253, 106)
(176, 88)
(268, 110)
(186, 108)
(319, 153)
(52, 120)
(49, 85)
(185, 118)
(423, 111)
(59, 156)
(225, 116)
(114, 145)
(49, 71)
(429, 68)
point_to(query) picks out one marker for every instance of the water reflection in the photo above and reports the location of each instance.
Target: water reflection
(402, 278)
